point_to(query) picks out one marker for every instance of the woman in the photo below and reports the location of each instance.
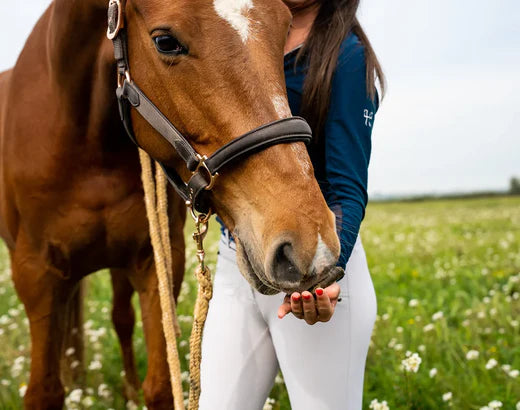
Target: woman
(330, 71)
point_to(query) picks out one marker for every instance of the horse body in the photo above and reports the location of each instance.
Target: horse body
(71, 198)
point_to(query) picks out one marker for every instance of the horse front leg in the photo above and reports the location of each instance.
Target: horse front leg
(44, 292)
(156, 386)
(123, 318)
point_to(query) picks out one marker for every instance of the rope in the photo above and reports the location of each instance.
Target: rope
(169, 318)
(200, 314)
(156, 200)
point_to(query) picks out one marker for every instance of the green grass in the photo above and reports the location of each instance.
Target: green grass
(458, 257)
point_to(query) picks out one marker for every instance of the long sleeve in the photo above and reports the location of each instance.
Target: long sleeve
(347, 147)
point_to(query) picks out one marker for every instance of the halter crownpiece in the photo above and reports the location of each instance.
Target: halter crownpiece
(204, 169)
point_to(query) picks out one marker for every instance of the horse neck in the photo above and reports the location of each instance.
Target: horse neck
(75, 37)
(82, 68)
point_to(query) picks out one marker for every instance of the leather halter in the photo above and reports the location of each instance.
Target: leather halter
(204, 170)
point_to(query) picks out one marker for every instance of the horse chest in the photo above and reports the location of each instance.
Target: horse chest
(100, 221)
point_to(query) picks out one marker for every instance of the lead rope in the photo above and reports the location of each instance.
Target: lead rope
(157, 211)
(157, 234)
(204, 294)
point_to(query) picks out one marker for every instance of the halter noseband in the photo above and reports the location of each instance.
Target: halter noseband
(204, 170)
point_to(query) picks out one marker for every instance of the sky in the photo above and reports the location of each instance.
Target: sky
(450, 119)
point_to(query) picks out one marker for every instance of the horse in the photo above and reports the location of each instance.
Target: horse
(71, 198)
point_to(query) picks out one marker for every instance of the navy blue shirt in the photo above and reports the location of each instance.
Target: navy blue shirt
(342, 156)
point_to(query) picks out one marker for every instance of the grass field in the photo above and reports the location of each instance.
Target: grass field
(447, 276)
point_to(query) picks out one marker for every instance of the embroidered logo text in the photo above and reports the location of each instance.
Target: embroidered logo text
(368, 118)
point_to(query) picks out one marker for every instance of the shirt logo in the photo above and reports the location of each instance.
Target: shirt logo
(368, 118)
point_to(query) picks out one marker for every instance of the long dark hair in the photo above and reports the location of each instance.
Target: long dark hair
(335, 20)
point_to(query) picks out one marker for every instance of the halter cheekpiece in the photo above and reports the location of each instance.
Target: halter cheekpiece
(204, 169)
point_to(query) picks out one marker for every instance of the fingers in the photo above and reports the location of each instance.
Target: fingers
(333, 291)
(285, 307)
(309, 308)
(312, 310)
(296, 305)
(323, 305)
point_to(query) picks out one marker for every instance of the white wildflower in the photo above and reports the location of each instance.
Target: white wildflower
(447, 396)
(433, 372)
(429, 327)
(399, 329)
(75, 396)
(87, 401)
(472, 355)
(22, 390)
(13, 312)
(491, 363)
(413, 303)
(514, 373)
(437, 316)
(514, 323)
(376, 405)
(74, 364)
(5, 382)
(421, 348)
(103, 391)
(70, 351)
(412, 363)
(130, 405)
(268, 405)
(95, 365)
(506, 367)
(495, 404)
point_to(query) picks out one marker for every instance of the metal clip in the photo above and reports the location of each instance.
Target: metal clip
(118, 14)
(201, 229)
(202, 164)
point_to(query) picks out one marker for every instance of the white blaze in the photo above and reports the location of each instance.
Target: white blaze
(235, 13)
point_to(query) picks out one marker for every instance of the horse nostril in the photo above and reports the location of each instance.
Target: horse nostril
(283, 266)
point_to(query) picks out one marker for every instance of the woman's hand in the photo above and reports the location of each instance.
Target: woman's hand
(304, 306)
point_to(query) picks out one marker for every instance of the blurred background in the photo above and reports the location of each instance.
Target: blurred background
(449, 122)
(442, 231)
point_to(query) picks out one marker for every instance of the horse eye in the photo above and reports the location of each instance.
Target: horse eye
(167, 44)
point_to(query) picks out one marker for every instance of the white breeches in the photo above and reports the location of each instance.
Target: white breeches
(245, 343)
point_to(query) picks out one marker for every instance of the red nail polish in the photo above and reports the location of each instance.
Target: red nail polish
(296, 298)
(319, 291)
(307, 296)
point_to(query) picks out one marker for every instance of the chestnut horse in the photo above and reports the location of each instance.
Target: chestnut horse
(71, 200)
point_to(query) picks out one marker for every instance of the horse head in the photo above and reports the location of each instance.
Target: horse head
(214, 69)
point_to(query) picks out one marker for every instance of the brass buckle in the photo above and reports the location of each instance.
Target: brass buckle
(120, 21)
(202, 164)
(121, 77)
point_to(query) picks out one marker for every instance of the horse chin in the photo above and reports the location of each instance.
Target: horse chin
(256, 279)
